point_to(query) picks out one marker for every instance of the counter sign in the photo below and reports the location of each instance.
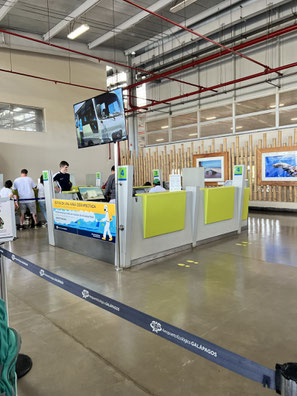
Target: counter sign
(45, 176)
(238, 171)
(122, 173)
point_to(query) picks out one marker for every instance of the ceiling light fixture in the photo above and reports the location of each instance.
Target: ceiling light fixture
(160, 140)
(193, 134)
(274, 106)
(294, 119)
(77, 32)
(181, 5)
(164, 127)
(210, 118)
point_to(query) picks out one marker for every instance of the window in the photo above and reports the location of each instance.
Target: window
(216, 112)
(255, 105)
(223, 127)
(21, 118)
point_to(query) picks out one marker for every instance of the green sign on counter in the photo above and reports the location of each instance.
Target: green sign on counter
(45, 176)
(122, 173)
(98, 175)
(238, 171)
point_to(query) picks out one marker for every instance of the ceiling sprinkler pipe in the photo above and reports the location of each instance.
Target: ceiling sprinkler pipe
(214, 87)
(91, 56)
(266, 67)
(246, 44)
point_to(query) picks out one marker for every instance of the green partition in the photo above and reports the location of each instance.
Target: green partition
(218, 204)
(163, 212)
(245, 208)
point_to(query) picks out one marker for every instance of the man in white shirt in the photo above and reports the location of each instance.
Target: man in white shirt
(25, 185)
(157, 187)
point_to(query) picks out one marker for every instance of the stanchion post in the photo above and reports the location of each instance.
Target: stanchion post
(3, 287)
(286, 379)
(117, 262)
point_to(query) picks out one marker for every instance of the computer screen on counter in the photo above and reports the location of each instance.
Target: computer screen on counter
(91, 193)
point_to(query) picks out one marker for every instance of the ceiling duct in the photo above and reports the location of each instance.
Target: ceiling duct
(181, 5)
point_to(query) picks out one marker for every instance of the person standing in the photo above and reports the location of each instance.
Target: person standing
(157, 187)
(6, 191)
(110, 190)
(63, 178)
(25, 185)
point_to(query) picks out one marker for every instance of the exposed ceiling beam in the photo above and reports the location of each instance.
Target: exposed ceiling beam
(130, 22)
(71, 17)
(196, 18)
(7, 6)
(35, 45)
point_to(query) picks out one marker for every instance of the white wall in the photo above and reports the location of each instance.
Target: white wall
(37, 151)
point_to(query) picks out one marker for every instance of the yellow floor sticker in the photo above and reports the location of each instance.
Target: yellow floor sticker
(181, 265)
(188, 266)
(196, 262)
(190, 261)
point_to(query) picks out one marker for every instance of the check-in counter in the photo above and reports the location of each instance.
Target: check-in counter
(161, 224)
(168, 222)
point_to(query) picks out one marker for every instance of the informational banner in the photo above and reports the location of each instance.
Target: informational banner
(90, 219)
(7, 220)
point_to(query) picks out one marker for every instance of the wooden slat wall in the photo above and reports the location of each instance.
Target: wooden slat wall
(171, 159)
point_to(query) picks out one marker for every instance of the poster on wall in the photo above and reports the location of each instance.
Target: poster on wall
(90, 219)
(215, 166)
(277, 166)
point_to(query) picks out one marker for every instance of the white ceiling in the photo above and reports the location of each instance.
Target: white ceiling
(39, 16)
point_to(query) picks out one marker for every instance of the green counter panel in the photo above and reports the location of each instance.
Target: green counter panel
(218, 204)
(163, 213)
(245, 208)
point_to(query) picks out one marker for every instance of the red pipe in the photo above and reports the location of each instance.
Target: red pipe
(238, 80)
(198, 34)
(91, 56)
(217, 55)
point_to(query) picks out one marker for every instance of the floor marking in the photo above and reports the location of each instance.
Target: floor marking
(188, 266)
(190, 261)
(239, 244)
(196, 262)
(181, 265)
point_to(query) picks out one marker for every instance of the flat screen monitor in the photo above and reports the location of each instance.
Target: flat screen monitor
(91, 193)
(101, 119)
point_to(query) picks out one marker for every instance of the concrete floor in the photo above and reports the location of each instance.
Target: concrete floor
(239, 297)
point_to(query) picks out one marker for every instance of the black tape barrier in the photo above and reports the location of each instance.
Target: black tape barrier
(191, 342)
(29, 199)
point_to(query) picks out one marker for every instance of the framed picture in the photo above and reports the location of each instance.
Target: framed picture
(277, 166)
(215, 166)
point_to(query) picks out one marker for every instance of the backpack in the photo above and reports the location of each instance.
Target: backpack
(10, 343)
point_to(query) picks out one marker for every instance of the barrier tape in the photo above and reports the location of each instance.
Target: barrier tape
(30, 199)
(191, 342)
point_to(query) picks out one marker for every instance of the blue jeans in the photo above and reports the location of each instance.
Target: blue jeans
(43, 208)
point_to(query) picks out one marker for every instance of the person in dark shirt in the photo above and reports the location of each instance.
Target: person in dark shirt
(110, 191)
(63, 178)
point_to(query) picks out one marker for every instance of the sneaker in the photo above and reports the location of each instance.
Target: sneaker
(21, 227)
(44, 225)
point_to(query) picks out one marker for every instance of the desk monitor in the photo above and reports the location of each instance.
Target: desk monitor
(91, 193)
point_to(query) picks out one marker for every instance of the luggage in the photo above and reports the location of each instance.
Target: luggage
(10, 343)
